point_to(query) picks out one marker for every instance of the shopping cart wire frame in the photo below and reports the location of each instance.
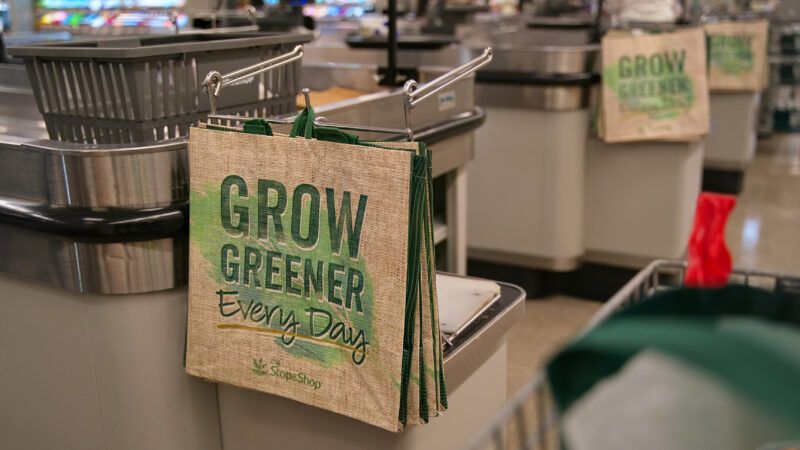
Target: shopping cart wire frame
(658, 276)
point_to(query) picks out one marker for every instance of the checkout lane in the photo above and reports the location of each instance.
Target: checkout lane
(540, 90)
(540, 95)
(564, 179)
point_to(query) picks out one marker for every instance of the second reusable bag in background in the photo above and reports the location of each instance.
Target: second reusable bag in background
(654, 86)
(737, 55)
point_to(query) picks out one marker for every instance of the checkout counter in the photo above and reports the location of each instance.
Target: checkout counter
(731, 145)
(475, 365)
(536, 98)
(640, 200)
(94, 265)
(531, 151)
(575, 199)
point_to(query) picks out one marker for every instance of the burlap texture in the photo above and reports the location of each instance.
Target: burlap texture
(655, 87)
(234, 352)
(737, 55)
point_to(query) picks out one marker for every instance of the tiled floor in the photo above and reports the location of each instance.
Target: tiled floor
(549, 323)
(763, 233)
(764, 228)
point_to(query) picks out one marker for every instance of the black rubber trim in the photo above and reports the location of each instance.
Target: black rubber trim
(723, 181)
(536, 79)
(590, 281)
(105, 225)
(427, 42)
(555, 25)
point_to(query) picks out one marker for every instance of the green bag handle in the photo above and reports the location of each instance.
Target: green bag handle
(304, 126)
(336, 135)
(753, 350)
(257, 126)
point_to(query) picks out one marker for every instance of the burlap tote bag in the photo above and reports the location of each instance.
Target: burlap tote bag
(737, 53)
(654, 87)
(311, 270)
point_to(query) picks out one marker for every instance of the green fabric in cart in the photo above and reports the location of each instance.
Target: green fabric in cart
(746, 338)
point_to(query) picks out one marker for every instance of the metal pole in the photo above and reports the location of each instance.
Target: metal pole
(391, 64)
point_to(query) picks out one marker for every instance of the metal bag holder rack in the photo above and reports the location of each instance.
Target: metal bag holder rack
(445, 125)
(413, 93)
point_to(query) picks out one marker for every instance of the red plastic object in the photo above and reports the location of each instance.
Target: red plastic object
(710, 261)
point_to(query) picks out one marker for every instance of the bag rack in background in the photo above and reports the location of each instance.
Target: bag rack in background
(146, 89)
(530, 419)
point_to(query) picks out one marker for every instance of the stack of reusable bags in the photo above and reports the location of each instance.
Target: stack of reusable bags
(312, 271)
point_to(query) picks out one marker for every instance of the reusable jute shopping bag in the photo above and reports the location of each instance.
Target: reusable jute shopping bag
(311, 270)
(737, 53)
(654, 86)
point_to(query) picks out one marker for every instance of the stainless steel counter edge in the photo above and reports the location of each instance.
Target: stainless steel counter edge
(544, 59)
(64, 175)
(542, 98)
(550, 48)
(116, 268)
(467, 356)
(89, 150)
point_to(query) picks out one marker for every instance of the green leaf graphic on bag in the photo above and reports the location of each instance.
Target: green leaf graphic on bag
(737, 55)
(280, 272)
(731, 54)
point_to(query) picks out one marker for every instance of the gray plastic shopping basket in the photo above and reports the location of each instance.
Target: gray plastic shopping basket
(144, 89)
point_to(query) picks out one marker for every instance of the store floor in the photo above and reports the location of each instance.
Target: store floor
(549, 323)
(763, 233)
(764, 229)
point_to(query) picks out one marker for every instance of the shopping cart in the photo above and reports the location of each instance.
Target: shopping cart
(530, 419)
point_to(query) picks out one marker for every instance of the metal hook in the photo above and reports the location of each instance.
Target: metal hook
(252, 13)
(418, 93)
(407, 106)
(214, 81)
(414, 93)
(173, 18)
